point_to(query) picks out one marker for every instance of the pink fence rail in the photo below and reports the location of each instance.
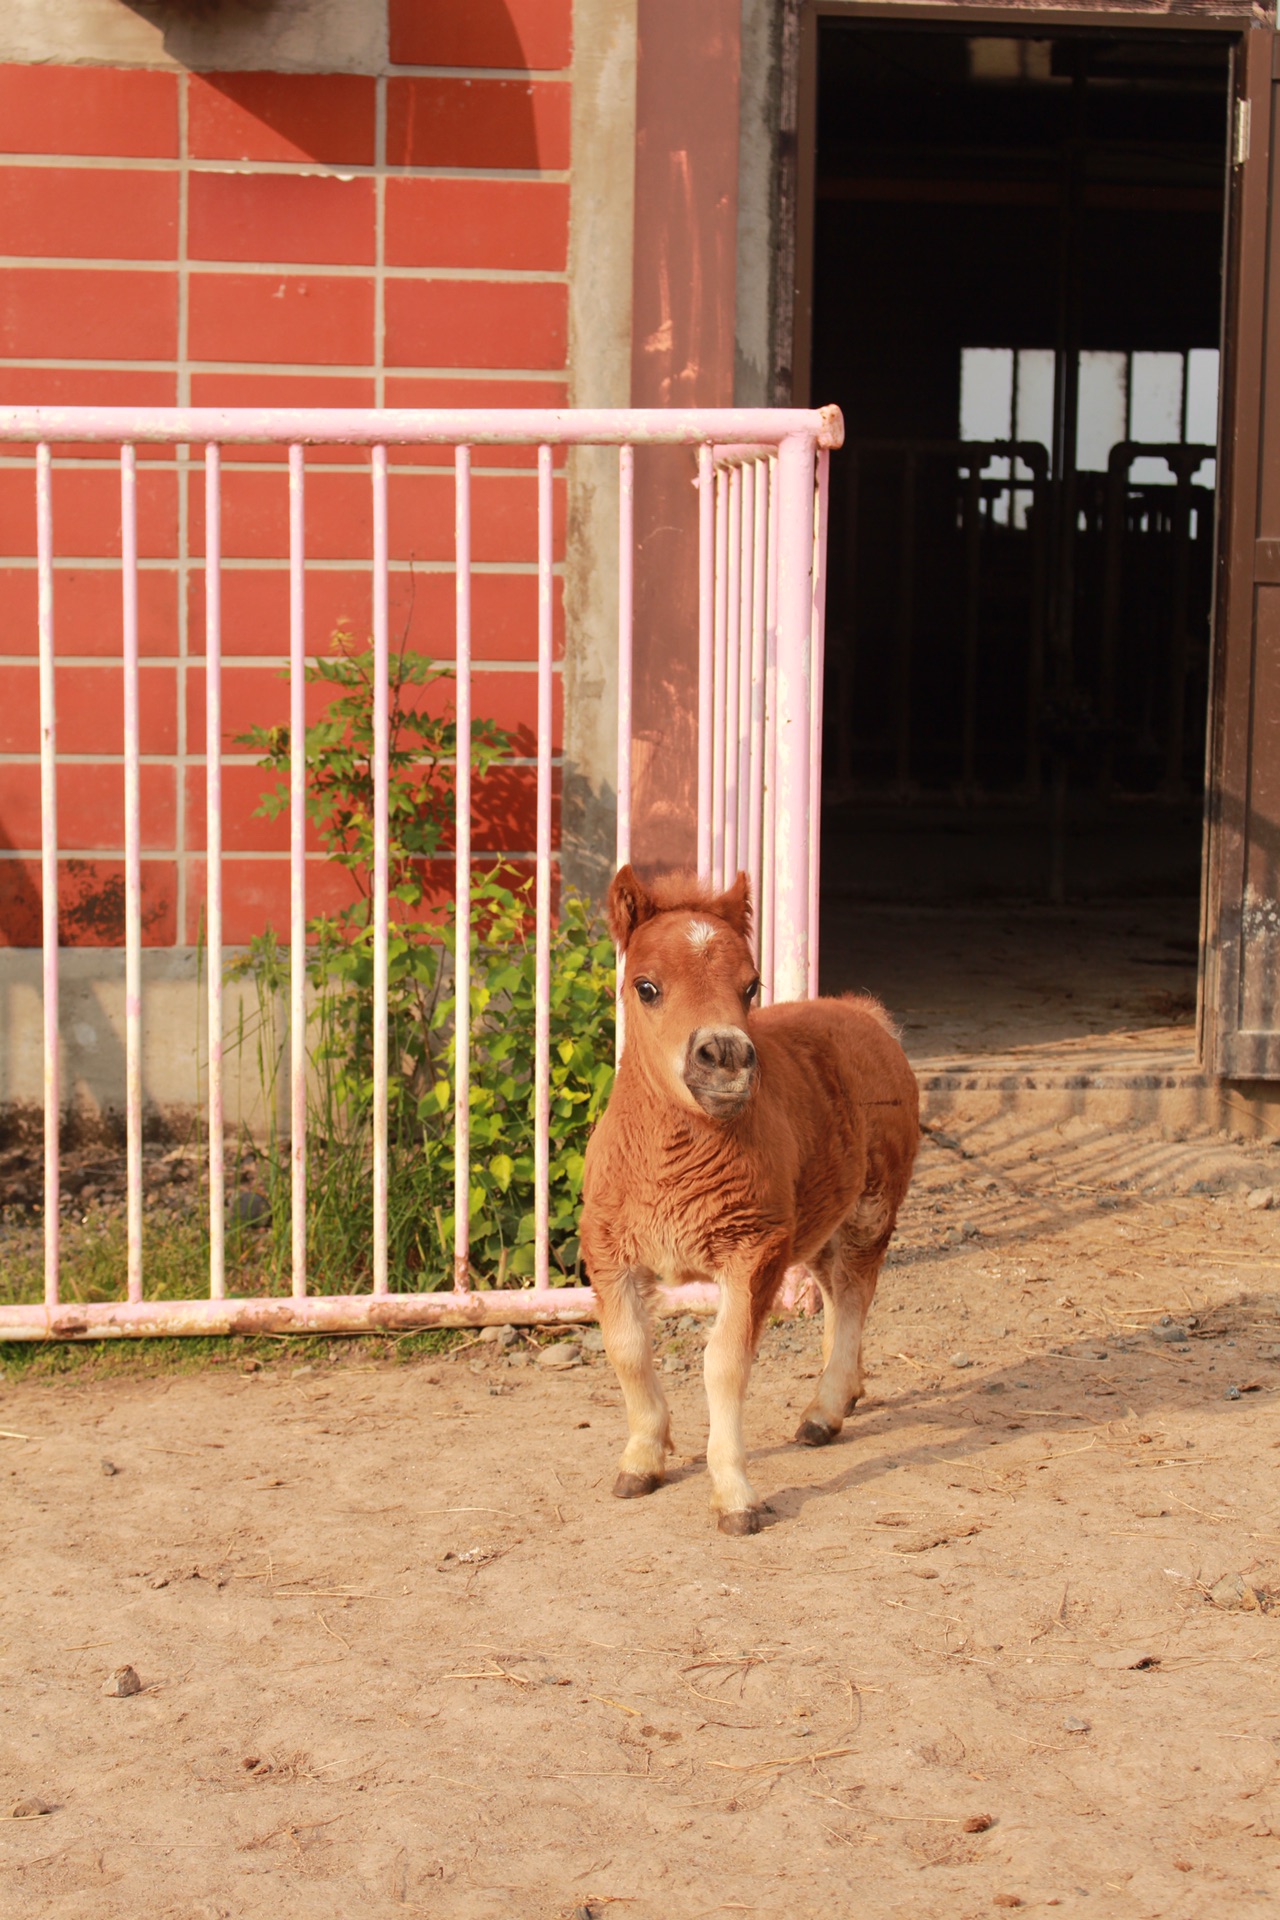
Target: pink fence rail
(762, 535)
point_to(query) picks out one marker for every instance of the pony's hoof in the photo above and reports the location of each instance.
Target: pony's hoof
(814, 1433)
(630, 1486)
(747, 1520)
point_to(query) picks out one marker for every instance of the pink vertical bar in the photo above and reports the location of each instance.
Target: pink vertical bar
(756, 744)
(718, 701)
(626, 609)
(381, 788)
(462, 882)
(706, 649)
(213, 856)
(795, 613)
(48, 867)
(817, 621)
(542, 927)
(132, 872)
(769, 877)
(626, 621)
(297, 870)
(748, 549)
(732, 668)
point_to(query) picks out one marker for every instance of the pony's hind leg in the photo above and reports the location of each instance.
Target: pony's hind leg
(848, 1280)
(628, 1341)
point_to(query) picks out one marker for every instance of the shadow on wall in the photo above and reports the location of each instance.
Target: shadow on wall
(90, 902)
(332, 40)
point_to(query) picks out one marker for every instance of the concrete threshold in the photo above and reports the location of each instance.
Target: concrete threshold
(1148, 1078)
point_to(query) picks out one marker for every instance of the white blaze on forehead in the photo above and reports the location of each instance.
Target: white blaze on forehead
(701, 933)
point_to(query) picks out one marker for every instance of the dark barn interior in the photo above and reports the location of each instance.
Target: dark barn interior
(1017, 294)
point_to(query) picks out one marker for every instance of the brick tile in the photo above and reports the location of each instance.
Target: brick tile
(281, 216)
(282, 116)
(478, 123)
(84, 213)
(426, 390)
(86, 387)
(505, 810)
(264, 317)
(481, 33)
(92, 110)
(476, 323)
(259, 697)
(338, 510)
(86, 611)
(90, 313)
(89, 703)
(256, 894)
(90, 807)
(510, 224)
(504, 615)
(90, 903)
(251, 697)
(462, 390)
(242, 831)
(255, 610)
(86, 511)
(504, 517)
(509, 700)
(278, 389)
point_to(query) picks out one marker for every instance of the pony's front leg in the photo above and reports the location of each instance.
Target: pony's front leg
(628, 1341)
(746, 1294)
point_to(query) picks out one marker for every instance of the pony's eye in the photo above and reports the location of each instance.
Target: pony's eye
(751, 991)
(647, 991)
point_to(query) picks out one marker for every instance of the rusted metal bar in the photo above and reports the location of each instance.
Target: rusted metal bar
(462, 879)
(381, 863)
(48, 868)
(132, 872)
(213, 859)
(297, 872)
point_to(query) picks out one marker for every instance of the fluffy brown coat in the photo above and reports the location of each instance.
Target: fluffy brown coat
(738, 1141)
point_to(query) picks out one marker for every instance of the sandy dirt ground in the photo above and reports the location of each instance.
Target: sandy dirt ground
(1013, 1642)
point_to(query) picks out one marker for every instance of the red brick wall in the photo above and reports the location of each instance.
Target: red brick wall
(258, 238)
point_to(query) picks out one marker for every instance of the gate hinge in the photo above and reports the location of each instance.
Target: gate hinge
(1240, 146)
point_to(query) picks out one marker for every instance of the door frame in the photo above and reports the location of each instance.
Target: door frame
(1256, 45)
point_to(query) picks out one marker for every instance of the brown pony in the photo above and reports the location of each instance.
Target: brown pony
(737, 1142)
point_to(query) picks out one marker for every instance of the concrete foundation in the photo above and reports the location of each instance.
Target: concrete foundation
(175, 1048)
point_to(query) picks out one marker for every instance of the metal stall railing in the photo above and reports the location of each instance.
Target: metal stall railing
(762, 476)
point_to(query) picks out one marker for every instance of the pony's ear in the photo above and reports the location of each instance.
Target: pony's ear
(628, 906)
(735, 905)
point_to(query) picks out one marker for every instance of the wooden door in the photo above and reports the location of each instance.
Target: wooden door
(1241, 927)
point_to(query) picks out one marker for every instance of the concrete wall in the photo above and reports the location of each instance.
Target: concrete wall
(601, 239)
(284, 36)
(175, 1050)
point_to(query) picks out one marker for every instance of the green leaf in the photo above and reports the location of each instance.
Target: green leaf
(502, 1168)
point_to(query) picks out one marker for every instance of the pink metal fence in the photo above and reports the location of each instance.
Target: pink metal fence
(761, 476)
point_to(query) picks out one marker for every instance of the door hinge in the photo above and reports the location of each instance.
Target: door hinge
(1240, 146)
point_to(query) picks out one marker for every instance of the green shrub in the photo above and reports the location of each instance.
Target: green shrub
(422, 1013)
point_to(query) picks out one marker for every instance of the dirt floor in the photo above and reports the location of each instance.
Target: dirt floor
(971, 982)
(1013, 1642)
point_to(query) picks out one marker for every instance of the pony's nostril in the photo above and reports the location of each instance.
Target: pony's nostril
(707, 1055)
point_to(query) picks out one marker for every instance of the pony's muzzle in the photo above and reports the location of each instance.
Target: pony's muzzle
(720, 1070)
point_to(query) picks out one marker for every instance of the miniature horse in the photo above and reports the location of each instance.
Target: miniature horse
(738, 1141)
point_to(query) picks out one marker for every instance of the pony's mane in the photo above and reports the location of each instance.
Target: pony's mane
(683, 892)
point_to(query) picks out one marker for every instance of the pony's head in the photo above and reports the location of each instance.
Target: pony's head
(691, 984)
